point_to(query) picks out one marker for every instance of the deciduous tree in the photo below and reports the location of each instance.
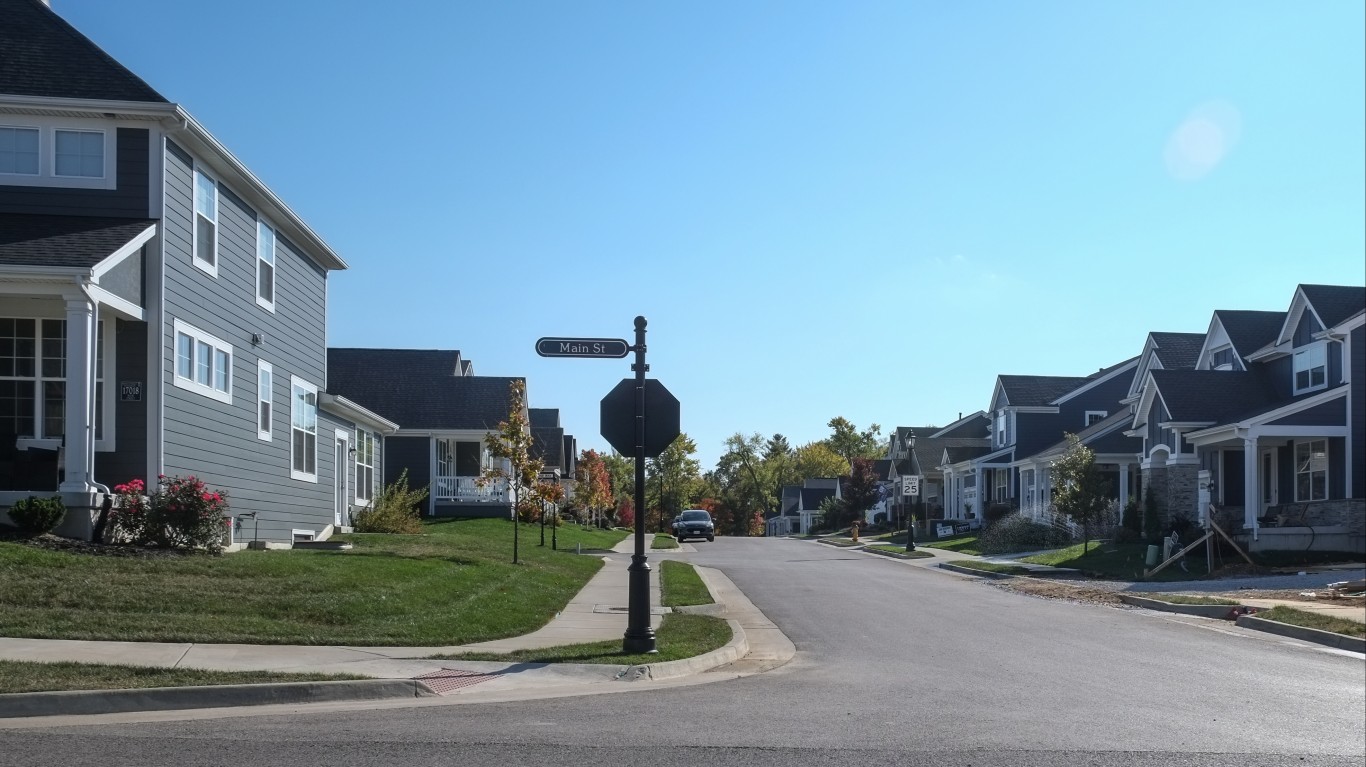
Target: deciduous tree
(1080, 492)
(512, 442)
(860, 489)
(818, 460)
(849, 443)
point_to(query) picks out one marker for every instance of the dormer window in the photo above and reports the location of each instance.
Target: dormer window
(1311, 368)
(1222, 359)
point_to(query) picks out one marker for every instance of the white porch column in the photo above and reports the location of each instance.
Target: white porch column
(1252, 499)
(1123, 486)
(79, 455)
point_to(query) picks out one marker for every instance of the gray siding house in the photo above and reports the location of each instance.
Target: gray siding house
(161, 310)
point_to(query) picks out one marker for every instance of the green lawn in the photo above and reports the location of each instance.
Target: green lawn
(18, 676)
(679, 636)
(454, 584)
(1122, 561)
(1307, 619)
(680, 585)
(963, 544)
(901, 549)
(992, 567)
(662, 541)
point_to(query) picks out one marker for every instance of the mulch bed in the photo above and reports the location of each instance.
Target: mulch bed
(52, 542)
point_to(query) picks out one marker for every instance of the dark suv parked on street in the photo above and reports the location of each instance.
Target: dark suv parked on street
(694, 523)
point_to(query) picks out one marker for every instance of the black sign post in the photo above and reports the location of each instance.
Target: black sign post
(610, 348)
(640, 635)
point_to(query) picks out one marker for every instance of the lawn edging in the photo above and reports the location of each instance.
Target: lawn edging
(1203, 611)
(898, 554)
(735, 649)
(1318, 636)
(78, 702)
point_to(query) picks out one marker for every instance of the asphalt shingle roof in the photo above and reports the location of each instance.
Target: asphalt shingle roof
(964, 453)
(882, 469)
(64, 241)
(1335, 303)
(1211, 395)
(1250, 330)
(544, 417)
(812, 497)
(548, 445)
(42, 55)
(418, 388)
(1032, 391)
(1178, 351)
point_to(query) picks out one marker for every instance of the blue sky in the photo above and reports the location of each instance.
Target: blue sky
(862, 209)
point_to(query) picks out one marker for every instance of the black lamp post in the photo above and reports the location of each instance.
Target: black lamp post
(910, 523)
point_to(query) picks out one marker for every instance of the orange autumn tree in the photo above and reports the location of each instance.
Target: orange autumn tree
(513, 442)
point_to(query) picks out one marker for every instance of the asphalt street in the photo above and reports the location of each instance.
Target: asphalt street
(895, 664)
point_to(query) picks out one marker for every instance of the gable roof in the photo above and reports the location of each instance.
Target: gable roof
(547, 444)
(882, 469)
(1104, 436)
(1177, 351)
(79, 242)
(974, 425)
(1210, 395)
(1250, 330)
(959, 453)
(1335, 303)
(542, 417)
(418, 388)
(812, 497)
(42, 55)
(1036, 391)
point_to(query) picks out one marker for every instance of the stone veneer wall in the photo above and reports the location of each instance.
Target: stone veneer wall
(1176, 488)
(1349, 513)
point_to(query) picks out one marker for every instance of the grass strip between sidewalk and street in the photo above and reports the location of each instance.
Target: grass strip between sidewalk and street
(1120, 561)
(27, 676)
(662, 541)
(453, 584)
(895, 549)
(1294, 617)
(681, 586)
(963, 544)
(679, 636)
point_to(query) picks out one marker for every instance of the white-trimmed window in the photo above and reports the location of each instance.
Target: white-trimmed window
(1094, 417)
(1001, 429)
(1221, 359)
(265, 403)
(203, 363)
(265, 266)
(205, 223)
(1002, 482)
(19, 150)
(78, 153)
(1311, 470)
(303, 420)
(1311, 367)
(365, 465)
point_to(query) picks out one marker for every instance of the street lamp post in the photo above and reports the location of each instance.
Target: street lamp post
(910, 522)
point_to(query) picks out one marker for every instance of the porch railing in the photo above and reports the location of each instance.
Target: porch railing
(465, 489)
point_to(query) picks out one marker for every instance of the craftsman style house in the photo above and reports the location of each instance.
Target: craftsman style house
(1269, 425)
(161, 310)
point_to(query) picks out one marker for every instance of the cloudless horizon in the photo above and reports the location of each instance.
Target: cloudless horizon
(862, 209)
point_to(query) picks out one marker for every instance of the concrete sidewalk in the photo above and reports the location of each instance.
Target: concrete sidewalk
(597, 613)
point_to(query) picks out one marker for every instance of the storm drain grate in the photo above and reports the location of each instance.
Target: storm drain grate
(448, 680)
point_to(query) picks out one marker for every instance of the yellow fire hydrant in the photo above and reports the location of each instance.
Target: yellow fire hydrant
(853, 532)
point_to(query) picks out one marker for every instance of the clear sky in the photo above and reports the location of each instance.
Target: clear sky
(866, 209)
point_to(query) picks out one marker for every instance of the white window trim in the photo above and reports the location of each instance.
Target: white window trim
(296, 382)
(104, 147)
(266, 434)
(46, 176)
(14, 175)
(274, 265)
(205, 266)
(1327, 465)
(1322, 346)
(361, 437)
(1087, 418)
(191, 384)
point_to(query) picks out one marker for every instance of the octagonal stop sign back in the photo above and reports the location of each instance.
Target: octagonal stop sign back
(619, 417)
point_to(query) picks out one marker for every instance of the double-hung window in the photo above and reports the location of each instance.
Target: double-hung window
(203, 363)
(1311, 367)
(1094, 417)
(18, 150)
(303, 420)
(205, 223)
(1001, 429)
(1002, 489)
(365, 465)
(265, 403)
(1311, 470)
(265, 266)
(33, 378)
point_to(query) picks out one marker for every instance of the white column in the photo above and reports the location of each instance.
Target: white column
(1123, 486)
(1252, 499)
(79, 452)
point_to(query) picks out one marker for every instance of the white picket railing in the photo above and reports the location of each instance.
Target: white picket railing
(469, 489)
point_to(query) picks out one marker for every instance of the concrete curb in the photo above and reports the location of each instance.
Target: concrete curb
(972, 571)
(715, 609)
(1340, 641)
(1204, 611)
(74, 702)
(735, 649)
(892, 554)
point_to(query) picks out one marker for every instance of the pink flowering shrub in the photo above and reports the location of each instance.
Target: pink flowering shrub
(183, 513)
